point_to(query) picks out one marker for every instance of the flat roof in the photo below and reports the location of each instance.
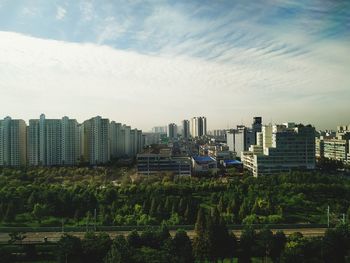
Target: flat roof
(232, 162)
(203, 159)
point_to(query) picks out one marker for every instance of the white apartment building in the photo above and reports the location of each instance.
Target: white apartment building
(56, 142)
(53, 142)
(126, 135)
(33, 143)
(281, 148)
(70, 141)
(96, 140)
(50, 137)
(116, 139)
(13, 142)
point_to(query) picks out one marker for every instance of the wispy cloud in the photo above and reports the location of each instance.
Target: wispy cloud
(240, 54)
(60, 13)
(123, 85)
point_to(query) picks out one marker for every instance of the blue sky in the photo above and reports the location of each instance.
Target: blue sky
(171, 60)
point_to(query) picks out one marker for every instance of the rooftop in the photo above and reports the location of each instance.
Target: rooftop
(203, 159)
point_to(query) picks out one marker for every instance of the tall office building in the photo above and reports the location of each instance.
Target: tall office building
(186, 129)
(13, 142)
(198, 126)
(172, 131)
(281, 148)
(96, 140)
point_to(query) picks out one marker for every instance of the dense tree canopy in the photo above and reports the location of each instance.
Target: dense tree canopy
(42, 196)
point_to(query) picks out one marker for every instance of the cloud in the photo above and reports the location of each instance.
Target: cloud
(84, 80)
(87, 10)
(275, 58)
(29, 11)
(60, 13)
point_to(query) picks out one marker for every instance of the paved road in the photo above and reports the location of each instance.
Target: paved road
(37, 237)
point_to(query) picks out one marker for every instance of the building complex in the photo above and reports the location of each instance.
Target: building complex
(56, 142)
(334, 146)
(281, 148)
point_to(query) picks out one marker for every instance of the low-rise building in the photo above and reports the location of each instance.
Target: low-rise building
(281, 148)
(203, 164)
(334, 146)
(150, 163)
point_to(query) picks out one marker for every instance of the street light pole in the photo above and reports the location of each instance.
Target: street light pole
(328, 216)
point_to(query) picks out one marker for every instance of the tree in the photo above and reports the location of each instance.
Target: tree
(119, 252)
(182, 247)
(246, 244)
(336, 243)
(134, 239)
(69, 249)
(39, 211)
(153, 209)
(278, 245)
(113, 256)
(10, 213)
(264, 243)
(95, 247)
(244, 209)
(200, 241)
(303, 250)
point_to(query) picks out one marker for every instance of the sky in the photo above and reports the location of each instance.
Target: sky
(149, 63)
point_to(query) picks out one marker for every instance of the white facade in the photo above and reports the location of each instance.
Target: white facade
(50, 139)
(56, 142)
(116, 139)
(53, 142)
(70, 141)
(284, 148)
(198, 127)
(33, 145)
(240, 139)
(126, 134)
(96, 141)
(13, 142)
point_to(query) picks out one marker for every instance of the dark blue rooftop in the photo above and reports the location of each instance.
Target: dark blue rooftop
(232, 162)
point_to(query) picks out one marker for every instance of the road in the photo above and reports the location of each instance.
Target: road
(38, 237)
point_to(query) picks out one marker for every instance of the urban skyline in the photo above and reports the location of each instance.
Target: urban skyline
(151, 62)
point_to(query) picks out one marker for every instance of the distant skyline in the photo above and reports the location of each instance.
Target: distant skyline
(150, 63)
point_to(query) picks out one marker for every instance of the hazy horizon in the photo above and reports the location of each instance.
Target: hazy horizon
(150, 63)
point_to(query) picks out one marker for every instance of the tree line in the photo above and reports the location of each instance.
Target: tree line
(48, 197)
(212, 242)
